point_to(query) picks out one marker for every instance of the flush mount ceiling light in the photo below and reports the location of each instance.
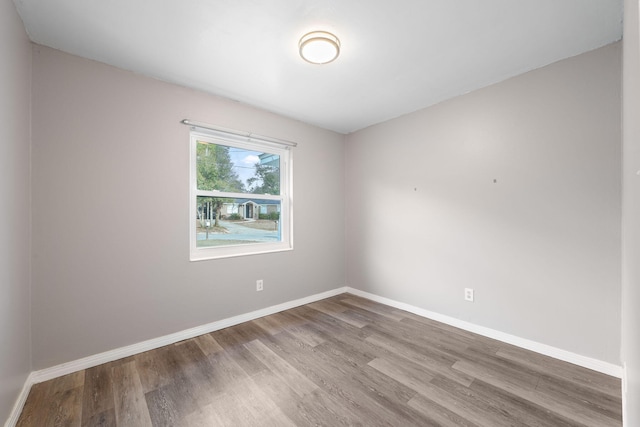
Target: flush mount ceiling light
(319, 47)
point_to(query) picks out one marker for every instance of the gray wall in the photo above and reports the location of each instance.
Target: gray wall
(540, 246)
(110, 212)
(15, 82)
(631, 215)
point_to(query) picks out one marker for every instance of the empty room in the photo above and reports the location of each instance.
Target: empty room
(336, 213)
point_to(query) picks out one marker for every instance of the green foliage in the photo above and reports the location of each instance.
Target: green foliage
(234, 217)
(215, 169)
(215, 172)
(274, 216)
(266, 180)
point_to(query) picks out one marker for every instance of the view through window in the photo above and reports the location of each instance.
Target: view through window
(240, 200)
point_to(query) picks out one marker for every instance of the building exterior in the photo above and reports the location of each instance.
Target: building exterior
(250, 208)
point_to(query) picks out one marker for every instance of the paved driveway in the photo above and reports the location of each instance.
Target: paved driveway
(240, 232)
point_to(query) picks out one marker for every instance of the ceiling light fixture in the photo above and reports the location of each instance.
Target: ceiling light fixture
(319, 47)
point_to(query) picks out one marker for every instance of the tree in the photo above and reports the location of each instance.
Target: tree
(266, 180)
(215, 172)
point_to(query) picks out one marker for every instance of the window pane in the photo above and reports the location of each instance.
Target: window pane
(239, 221)
(237, 170)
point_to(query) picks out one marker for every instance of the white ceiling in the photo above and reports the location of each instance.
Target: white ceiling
(397, 56)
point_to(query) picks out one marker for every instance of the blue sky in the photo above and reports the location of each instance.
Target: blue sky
(244, 161)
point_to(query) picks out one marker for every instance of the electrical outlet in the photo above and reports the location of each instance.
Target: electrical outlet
(468, 294)
(259, 285)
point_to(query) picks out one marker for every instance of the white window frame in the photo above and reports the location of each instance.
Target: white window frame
(286, 212)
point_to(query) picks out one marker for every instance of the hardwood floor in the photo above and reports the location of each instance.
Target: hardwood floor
(338, 362)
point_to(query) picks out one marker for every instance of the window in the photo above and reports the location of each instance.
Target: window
(240, 196)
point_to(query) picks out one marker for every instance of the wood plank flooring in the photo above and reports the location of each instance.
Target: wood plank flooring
(343, 361)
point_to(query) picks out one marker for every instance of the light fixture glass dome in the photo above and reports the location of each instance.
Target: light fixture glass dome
(319, 47)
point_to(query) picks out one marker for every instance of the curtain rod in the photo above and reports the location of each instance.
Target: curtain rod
(250, 136)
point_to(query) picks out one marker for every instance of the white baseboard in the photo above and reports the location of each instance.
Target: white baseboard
(119, 353)
(547, 350)
(130, 350)
(625, 384)
(20, 401)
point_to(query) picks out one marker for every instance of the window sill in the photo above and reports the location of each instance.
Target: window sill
(203, 254)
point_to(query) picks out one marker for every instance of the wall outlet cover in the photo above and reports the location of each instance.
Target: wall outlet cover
(468, 294)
